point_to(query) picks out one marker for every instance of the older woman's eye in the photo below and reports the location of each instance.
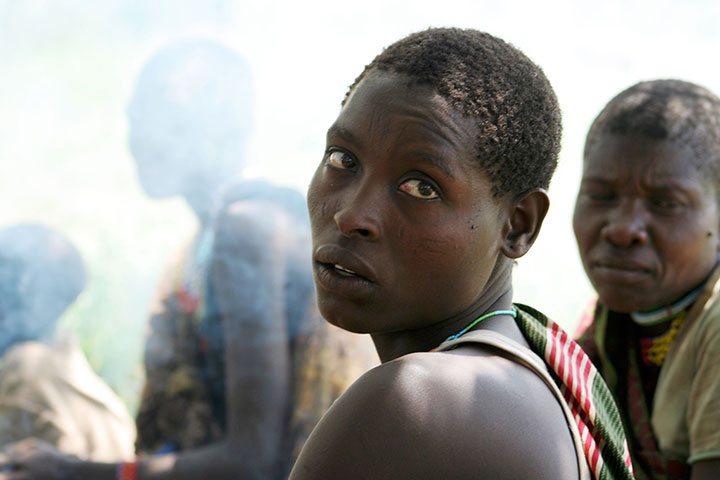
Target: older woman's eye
(602, 196)
(663, 203)
(419, 189)
(340, 159)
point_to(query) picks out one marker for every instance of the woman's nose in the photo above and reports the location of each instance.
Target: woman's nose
(359, 215)
(627, 224)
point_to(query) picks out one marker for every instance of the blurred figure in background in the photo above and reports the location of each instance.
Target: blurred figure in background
(190, 117)
(47, 388)
(239, 364)
(234, 330)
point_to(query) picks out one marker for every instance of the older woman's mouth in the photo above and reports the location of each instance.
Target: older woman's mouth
(620, 271)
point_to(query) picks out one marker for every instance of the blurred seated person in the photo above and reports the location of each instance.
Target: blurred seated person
(47, 388)
(240, 366)
(647, 227)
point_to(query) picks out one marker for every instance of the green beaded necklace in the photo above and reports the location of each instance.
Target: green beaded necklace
(512, 313)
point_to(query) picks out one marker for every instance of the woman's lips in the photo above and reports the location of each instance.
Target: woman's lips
(344, 271)
(340, 271)
(344, 261)
(344, 282)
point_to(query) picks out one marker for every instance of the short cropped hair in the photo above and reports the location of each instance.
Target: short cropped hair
(680, 112)
(488, 80)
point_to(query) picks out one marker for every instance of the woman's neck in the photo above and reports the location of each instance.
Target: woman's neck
(497, 295)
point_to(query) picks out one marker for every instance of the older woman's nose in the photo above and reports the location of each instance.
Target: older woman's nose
(626, 224)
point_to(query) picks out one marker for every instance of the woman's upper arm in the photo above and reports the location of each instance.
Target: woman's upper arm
(703, 400)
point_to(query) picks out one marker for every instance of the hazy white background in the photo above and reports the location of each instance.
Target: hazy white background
(67, 70)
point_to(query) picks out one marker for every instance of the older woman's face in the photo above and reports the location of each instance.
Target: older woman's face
(646, 222)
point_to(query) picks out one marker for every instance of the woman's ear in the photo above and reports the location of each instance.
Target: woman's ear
(524, 221)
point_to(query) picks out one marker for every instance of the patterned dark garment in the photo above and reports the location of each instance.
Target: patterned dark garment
(589, 398)
(624, 379)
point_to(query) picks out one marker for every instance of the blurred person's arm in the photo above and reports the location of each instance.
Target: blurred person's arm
(248, 278)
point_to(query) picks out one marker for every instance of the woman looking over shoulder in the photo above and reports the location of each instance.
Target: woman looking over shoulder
(433, 182)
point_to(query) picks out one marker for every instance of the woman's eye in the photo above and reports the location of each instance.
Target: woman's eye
(340, 159)
(419, 189)
(664, 203)
(600, 196)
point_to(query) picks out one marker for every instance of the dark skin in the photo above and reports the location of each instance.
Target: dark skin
(647, 228)
(646, 222)
(411, 246)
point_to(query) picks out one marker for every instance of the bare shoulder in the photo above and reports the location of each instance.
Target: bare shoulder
(434, 415)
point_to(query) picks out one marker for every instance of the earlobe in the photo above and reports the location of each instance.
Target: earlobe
(523, 223)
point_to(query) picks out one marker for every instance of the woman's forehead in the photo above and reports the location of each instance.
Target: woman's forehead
(655, 163)
(386, 103)
(380, 88)
(632, 151)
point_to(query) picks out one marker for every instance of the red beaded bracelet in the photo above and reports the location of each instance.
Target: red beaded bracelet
(127, 470)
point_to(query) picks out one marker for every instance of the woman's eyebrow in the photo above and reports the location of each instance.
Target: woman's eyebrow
(344, 133)
(436, 162)
(595, 179)
(672, 186)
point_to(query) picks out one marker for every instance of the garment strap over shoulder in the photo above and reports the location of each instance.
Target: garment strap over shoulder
(524, 356)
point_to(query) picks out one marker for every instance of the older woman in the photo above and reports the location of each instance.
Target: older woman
(647, 227)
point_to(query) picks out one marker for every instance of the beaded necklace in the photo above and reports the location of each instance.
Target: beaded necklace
(666, 312)
(654, 349)
(512, 313)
